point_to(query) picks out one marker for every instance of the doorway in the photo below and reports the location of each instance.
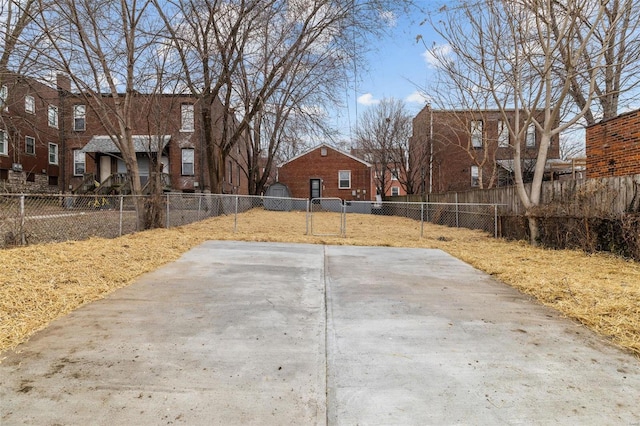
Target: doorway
(315, 186)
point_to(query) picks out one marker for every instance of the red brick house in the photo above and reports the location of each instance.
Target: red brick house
(613, 146)
(52, 140)
(31, 145)
(463, 150)
(326, 172)
(389, 179)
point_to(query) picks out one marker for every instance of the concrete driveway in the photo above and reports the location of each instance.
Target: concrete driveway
(272, 334)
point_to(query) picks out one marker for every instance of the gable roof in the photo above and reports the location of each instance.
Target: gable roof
(324, 145)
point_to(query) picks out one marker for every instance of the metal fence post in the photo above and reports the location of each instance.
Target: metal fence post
(421, 219)
(495, 221)
(168, 220)
(235, 218)
(121, 213)
(199, 205)
(23, 236)
(457, 213)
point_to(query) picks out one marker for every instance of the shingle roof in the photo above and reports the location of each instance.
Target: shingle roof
(141, 143)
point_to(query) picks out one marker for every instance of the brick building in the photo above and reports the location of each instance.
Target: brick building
(462, 150)
(325, 172)
(613, 146)
(30, 136)
(52, 140)
(388, 178)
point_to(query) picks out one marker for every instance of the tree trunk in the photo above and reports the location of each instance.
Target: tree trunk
(534, 230)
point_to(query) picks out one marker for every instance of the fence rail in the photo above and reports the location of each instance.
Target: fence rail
(29, 219)
(583, 198)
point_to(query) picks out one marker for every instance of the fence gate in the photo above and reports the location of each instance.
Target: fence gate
(327, 217)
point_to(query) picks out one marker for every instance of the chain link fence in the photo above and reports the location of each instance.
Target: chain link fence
(31, 219)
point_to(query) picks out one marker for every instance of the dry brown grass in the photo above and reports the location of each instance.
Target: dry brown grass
(43, 282)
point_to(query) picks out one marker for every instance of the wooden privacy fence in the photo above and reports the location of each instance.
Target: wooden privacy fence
(576, 198)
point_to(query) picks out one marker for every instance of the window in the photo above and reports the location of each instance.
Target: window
(476, 133)
(53, 153)
(53, 116)
(344, 179)
(78, 162)
(4, 94)
(187, 162)
(3, 143)
(394, 174)
(29, 104)
(188, 124)
(230, 171)
(30, 145)
(531, 136)
(79, 117)
(395, 191)
(475, 176)
(503, 134)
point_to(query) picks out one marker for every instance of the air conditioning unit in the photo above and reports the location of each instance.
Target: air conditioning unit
(16, 167)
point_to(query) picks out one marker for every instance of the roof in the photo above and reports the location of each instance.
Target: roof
(324, 145)
(141, 143)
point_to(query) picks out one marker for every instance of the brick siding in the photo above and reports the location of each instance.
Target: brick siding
(613, 146)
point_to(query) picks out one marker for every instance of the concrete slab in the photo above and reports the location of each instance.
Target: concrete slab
(272, 334)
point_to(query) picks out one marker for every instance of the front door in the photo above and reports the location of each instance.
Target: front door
(105, 167)
(315, 188)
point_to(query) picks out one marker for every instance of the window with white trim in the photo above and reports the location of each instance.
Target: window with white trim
(188, 156)
(79, 162)
(30, 145)
(395, 191)
(187, 118)
(53, 153)
(344, 179)
(394, 174)
(475, 176)
(503, 134)
(79, 118)
(476, 133)
(3, 143)
(531, 136)
(52, 115)
(29, 104)
(4, 94)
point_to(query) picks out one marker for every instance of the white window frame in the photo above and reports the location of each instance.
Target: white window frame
(188, 160)
(187, 118)
(341, 179)
(79, 117)
(475, 176)
(79, 157)
(53, 153)
(530, 140)
(503, 134)
(4, 96)
(52, 116)
(4, 149)
(394, 174)
(26, 145)
(476, 132)
(396, 190)
(29, 104)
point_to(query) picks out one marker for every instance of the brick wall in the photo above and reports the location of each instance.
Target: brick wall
(613, 146)
(297, 173)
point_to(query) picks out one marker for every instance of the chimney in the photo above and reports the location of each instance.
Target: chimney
(63, 82)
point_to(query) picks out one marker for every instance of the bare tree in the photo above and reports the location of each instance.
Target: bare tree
(382, 137)
(522, 55)
(213, 37)
(101, 46)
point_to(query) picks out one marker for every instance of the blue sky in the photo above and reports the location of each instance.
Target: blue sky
(397, 68)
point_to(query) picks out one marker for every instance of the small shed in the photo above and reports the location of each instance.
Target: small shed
(278, 198)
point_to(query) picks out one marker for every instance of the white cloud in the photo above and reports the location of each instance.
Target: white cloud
(417, 97)
(367, 99)
(433, 57)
